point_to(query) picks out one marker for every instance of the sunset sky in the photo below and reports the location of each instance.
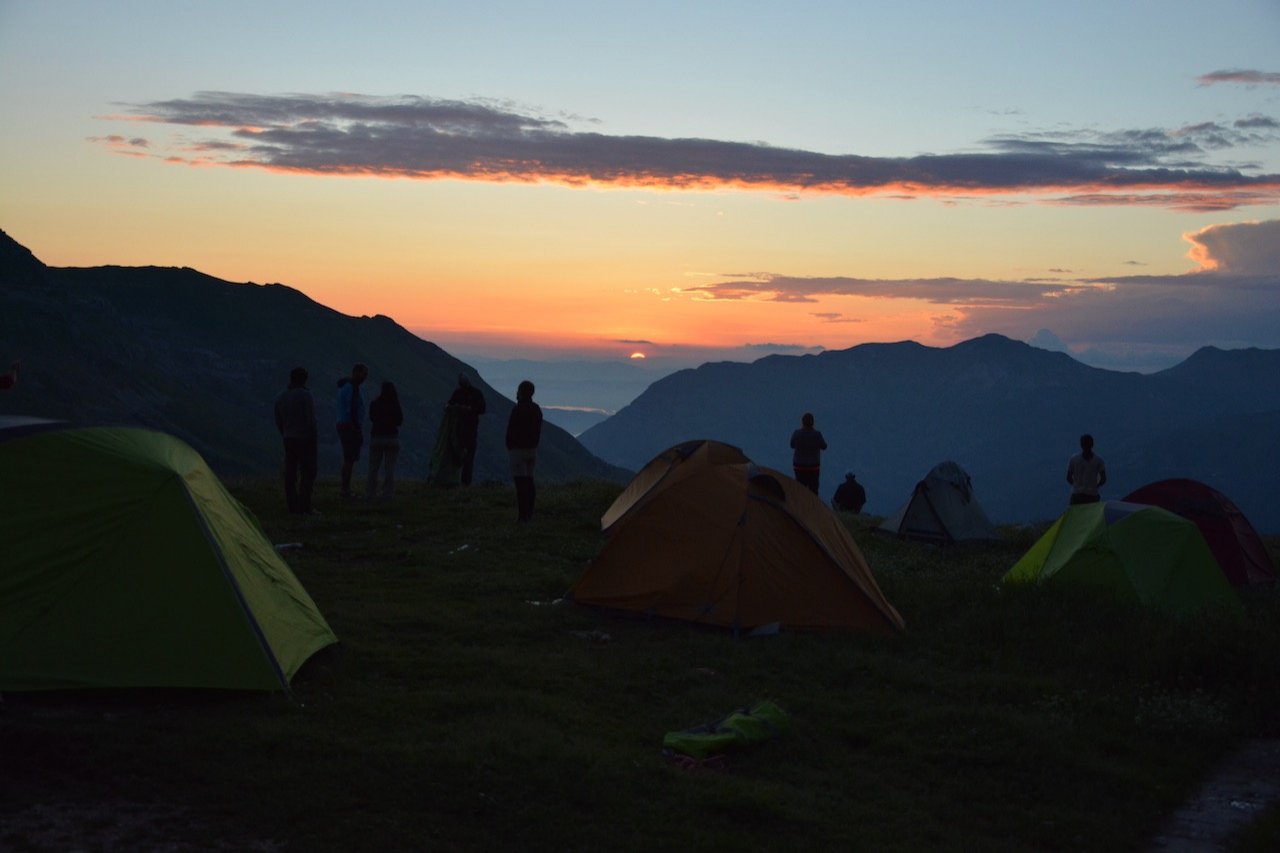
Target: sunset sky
(534, 179)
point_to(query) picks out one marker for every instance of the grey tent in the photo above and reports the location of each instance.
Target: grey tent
(942, 509)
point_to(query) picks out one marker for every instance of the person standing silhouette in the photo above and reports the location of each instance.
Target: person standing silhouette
(350, 414)
(469, 397)
(385, 418)
(1086, 472)
(808, 445)
(296, 421)
(524, 431)
(850, 496)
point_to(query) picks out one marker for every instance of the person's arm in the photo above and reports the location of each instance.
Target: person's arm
(1102, 475)
(1070, 478)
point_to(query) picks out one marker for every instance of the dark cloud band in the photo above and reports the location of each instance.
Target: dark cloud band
(424, 138)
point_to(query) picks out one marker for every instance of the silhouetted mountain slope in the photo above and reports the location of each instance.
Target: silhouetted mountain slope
(183, 352)
(1009, 413)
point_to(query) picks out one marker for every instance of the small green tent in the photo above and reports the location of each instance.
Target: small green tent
(124, 562)
(1140, 553)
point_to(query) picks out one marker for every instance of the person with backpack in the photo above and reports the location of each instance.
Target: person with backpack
(471, 400)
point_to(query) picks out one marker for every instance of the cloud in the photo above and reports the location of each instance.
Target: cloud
(781, 347)
(1244, 248)
(771, 287)
(1251, 78)
(430, 139)
(1135, 321)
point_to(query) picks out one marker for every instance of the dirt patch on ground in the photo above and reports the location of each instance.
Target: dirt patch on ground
(1243, 787)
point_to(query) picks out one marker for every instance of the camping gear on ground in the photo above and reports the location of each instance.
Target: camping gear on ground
(702, 534)
(449, 452)
(1137, 552)
(743, 727)
(124, 562)
(942, 509)
(1234, 542)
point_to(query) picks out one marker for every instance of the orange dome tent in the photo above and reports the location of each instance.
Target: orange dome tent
(704, 535)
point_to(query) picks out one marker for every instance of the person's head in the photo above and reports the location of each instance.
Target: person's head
(298, 376)
(525, 390)
(389, 391)
(1086, 445)
(359, 372)
(807, 420)
(463, 381)
(849, 475)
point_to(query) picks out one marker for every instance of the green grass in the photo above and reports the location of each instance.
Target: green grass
(463, 709)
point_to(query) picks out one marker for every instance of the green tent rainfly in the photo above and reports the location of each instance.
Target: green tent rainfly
(124, 562)
(1140, 553)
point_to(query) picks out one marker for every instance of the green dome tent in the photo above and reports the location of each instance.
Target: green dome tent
(124, 562)
(1141, 553)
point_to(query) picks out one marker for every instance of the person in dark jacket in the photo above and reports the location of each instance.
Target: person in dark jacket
(296, 421)
(350, 417)
(849, 496)
(524, 431)
(471, 400)
(808, 445)
(385, 418)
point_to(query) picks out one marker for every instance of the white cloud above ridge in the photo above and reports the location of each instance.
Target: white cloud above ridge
(425, 138)
(1233, 300)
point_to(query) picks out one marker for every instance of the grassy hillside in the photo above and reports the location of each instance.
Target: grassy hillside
(464, 709)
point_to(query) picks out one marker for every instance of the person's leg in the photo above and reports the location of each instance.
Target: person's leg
(376, 454)
(468, 460)
(351, 441)
(308, 466)
(531, 493)
(524, 508)
(807, 477)
(390, 454)
(291, 464)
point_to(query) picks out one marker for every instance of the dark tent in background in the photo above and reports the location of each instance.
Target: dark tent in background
(942, 509)
(124, 562)
(704, 535)
(1235, 544)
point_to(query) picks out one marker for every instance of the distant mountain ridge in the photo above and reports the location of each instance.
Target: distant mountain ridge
(183, 352)
(1008, 412)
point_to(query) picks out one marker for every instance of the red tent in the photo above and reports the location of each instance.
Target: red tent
(1235, 544)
